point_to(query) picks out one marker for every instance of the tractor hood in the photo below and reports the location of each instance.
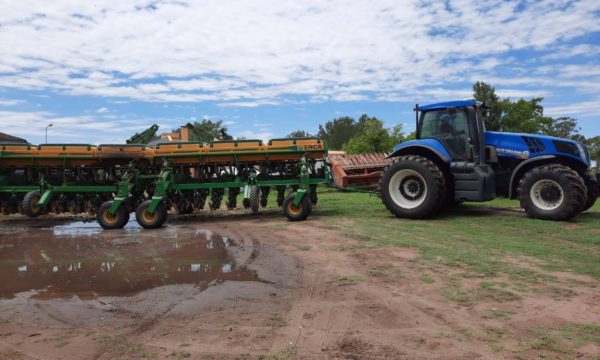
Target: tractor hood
(526, 146)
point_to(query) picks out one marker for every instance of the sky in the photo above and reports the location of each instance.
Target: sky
(101, 71)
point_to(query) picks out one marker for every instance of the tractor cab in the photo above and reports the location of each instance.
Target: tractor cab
(458, 131)
(458, 125)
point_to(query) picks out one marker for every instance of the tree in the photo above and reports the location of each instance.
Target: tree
(299, 134)
(593, 145)
(373, 137)
(208, 130)
(563, 127)
(525, 116)
(338, 131)
(397, 135)
(487, 93)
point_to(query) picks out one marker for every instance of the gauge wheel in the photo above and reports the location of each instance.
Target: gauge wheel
(154, 220)
(296, 213)
(114, 221)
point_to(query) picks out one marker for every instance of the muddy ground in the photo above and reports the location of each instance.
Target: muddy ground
(238, 286)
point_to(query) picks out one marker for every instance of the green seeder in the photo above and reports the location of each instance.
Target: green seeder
(111, 181)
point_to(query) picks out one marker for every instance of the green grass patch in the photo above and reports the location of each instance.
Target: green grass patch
(580, 334)
(283, 354)
(495, 330)
(377, 272)
(302, 247)
(494, 313)
(475, 238)
(486, 291)
(346, 280)
(561, 339)
(277, 322)
(543, 340)
(426, 278)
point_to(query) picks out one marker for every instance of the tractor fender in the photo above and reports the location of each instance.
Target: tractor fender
(429, 148)
(522, 168)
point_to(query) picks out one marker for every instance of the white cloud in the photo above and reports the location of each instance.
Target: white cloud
(32, 126)
(252, 53)
(10, 102)
(583, 108)
(250, 134)
(102, 110)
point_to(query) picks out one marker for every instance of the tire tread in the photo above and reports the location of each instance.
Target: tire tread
(438, 178)
(575, 194)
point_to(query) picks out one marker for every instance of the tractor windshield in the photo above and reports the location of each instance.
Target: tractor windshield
(451, 127)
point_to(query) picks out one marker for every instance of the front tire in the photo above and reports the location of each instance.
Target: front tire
(154, 220)
(412, 187)
(552, 192)
(592, 190)
(111, 222)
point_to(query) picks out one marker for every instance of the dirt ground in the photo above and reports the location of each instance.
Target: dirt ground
(269, 289)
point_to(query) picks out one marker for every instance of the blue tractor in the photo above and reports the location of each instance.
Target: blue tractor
(454, 159)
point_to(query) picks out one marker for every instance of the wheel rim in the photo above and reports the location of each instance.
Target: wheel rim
(149, 218)
(408, 188)
(108, 218)
(547, 194)
(294, 210)
(34, 204)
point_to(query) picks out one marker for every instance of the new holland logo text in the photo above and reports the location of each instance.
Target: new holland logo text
(522, 154)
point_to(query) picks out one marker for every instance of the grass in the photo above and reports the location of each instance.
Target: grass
(559, 339)
(346, 280)
(486, 291)
(475, 238)
(283, 354)
(580, 333)
(277, 322)
(427, 279)
(497, 314)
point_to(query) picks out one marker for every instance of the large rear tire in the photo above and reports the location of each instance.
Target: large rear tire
(30, 204)
(552, 192)
(592, 190)
(154, 220)
(111, 222)
(413, 187)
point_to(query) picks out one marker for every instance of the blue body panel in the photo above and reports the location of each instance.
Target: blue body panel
(514, 145)
(431, 144)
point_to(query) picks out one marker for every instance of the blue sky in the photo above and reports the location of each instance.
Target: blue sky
(102, 72)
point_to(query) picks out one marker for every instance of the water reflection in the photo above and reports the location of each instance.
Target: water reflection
(71, 260)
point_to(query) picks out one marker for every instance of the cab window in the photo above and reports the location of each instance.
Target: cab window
(449, 126)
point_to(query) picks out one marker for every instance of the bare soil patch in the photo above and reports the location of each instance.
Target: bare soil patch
(314, 297)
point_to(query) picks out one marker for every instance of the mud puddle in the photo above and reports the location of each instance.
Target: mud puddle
(80, 259)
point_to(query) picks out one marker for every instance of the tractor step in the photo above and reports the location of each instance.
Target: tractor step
(473, 182)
